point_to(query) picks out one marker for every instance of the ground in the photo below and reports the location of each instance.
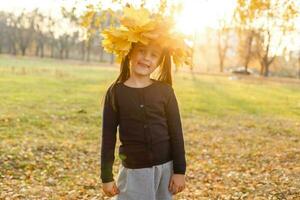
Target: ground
(242, 136)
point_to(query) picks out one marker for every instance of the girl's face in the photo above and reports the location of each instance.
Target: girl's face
(144, 59)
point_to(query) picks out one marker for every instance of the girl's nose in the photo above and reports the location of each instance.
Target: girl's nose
(147, 56)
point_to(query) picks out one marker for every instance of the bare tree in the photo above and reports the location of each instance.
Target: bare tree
(245, 46)
(223, 36)
(12, 33)
(94, 20)
(246, 32)
(3, 29)
(63, 45)
(263, 52)
(50, 32)
(25, 30)
(268, 21)
(40, 36)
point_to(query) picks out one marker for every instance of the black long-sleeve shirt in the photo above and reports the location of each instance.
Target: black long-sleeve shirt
(150, 129)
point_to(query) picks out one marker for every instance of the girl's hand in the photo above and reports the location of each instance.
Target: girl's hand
(177, 183)
(110, 189)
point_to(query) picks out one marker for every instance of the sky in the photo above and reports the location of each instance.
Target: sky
(199, 14)
(205, 11)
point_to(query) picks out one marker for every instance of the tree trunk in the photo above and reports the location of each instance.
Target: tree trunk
(42, 50)
(1, 43)
(221, 65)
(37, 50)
(61, 53)
(262, 67)
(52, 50)
(23, 51)
(89, 47)
(299, 68)
(249, 46)
(101, 54)
(88, 54)
(82, 50)
(265, 65)
(13, 48)
(67, 53)
(266, 74)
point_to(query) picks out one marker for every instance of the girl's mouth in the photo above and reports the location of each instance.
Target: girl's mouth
(143, 65)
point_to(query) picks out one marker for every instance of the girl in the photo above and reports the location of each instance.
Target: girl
(152, 150)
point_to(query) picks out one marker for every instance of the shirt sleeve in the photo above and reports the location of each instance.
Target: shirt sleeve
(109, 130)
(176, 135)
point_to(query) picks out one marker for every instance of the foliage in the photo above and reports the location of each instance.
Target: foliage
(268, 21)
(241, 136)
(139, 25)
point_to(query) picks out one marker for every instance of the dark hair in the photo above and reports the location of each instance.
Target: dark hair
(164, 75)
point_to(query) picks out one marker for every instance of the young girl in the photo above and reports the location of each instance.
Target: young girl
(152, 150)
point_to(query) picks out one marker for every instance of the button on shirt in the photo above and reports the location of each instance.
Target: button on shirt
(150, 129)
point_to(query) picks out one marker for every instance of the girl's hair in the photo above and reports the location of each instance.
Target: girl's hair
(164, 75)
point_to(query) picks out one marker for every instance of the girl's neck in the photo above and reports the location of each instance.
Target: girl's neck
(142, 81)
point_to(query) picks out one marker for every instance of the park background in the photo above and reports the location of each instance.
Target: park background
(239, 100)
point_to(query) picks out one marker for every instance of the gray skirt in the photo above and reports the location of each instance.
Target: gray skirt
(145, 183)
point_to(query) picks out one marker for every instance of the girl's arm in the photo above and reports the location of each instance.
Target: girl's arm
(109, 130)
(175, 131)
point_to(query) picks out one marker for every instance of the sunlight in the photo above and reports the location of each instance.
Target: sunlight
(198, 15)
(195, 17)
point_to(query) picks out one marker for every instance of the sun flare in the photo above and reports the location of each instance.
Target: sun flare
(198, 15)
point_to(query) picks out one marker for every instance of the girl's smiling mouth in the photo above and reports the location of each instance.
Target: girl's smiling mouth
(143, 64)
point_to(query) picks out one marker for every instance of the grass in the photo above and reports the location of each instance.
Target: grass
(242, 136)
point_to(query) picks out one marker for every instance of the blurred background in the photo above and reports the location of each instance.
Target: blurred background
(250, 37)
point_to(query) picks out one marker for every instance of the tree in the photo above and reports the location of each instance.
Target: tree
(94, 20)
(51, 39)
(3, 29)
(223, 36)
(25, 30)
(243, 21)
(11, 33)
(63, 46)
(266, 22)
(39, 37)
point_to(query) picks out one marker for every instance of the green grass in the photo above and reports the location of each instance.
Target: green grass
(242, 136)
(218, 96)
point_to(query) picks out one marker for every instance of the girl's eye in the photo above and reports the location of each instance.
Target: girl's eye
(154, 55)
(142, 50)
